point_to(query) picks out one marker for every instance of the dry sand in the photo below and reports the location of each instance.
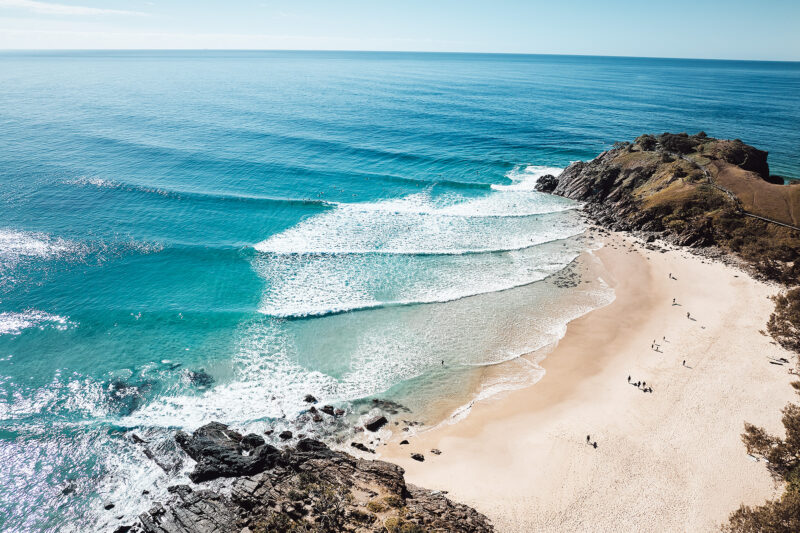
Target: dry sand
(670, 460)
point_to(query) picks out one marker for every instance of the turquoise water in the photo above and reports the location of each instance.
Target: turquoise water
(293, 222)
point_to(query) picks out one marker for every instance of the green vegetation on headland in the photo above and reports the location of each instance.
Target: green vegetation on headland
(712, 195)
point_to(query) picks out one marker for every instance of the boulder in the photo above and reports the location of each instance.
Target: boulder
(222, 452)
(418, 457)
(546, 183)
(376, 422)
(309, 399)
(362, 447)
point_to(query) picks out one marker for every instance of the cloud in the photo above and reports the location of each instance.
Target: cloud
(47, 8)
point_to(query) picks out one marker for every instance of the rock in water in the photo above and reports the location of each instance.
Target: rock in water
(309, 399)
(220, 452)
(546, 183)
(310, 488)
(200, 378)
(376, 422)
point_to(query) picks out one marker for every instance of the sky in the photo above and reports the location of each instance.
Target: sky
(718, 29)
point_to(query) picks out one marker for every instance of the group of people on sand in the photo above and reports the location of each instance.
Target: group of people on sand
(641, 385)
(655, 346)
(590, 443)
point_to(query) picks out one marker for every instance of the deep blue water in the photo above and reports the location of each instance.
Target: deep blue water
(295, 222)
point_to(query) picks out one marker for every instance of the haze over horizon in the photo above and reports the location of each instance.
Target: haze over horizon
(680, 29)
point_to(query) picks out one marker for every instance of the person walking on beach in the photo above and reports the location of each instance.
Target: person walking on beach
(684, 362)
(629, 379)
(673, 301)
(688, 315)
(588, 438)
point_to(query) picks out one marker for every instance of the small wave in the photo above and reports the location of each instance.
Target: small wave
(180, 194)
(14, 323)
(525, 178)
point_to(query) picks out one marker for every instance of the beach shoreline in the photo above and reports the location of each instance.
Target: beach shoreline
(671, 459)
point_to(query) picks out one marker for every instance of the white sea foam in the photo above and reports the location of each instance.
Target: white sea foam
(308, 286)
(524, 178)
(15, 323)
(19, 245)
(418, 224)
(413, 250)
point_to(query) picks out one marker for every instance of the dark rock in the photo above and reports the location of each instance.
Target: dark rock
(309, 399)
(388, 406)
(404, 441)
(219, 452)
(309, 486)
(376, 422)
(108, 506)
(123, 529)
(436, 451)
(546, 183)
(362, 447)
(338, 412)
(200, 378)
(252, 441)
(328, 410)
(418, 457)
(285, 435)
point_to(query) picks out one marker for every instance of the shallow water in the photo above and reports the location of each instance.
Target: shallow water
(338, 224)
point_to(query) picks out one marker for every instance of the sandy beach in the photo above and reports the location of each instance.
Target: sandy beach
(670, 460)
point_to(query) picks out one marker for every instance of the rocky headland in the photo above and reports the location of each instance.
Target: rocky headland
(695, 191)
(302, 488)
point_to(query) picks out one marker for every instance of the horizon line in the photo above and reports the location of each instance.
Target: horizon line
(2, 50)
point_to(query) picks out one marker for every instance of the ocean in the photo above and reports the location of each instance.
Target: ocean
(198, 236)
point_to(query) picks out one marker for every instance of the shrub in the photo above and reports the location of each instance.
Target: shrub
(783, 456)
(646, 142)
(375, 506)
(784, 322)
(398, 525)
(393, 501)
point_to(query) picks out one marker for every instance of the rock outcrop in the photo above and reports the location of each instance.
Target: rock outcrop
(694, 191)
(222, 452)
(302, 489)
